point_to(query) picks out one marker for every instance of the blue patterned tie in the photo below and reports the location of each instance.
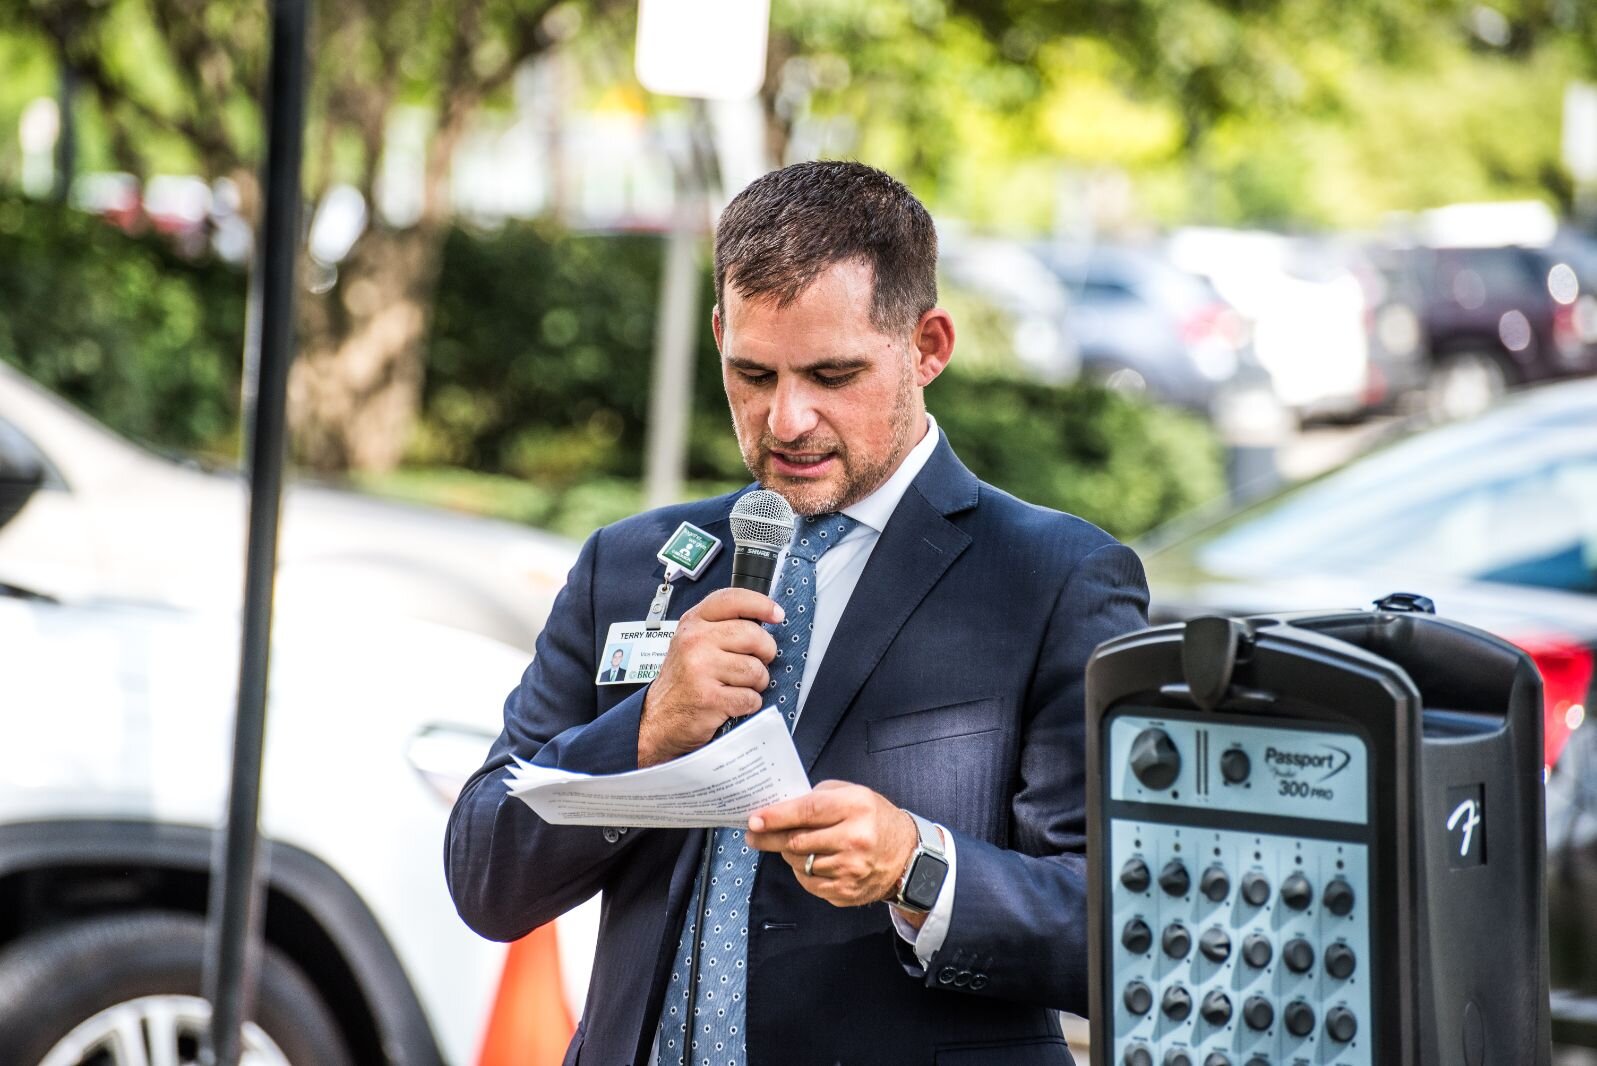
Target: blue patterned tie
(721, 1008)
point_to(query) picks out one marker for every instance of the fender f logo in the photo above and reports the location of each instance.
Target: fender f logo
(1466, 825)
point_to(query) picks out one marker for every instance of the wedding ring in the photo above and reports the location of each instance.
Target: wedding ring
(809, 865)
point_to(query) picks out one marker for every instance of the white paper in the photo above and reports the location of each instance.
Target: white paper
(721, 784)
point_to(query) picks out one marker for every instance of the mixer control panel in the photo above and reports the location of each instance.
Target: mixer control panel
(1238, 894)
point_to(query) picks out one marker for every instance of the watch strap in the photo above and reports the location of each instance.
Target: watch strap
(930, 838)
(929, 846)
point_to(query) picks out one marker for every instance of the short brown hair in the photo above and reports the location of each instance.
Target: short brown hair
(777, 236)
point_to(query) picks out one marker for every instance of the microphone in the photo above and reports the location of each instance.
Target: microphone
(762, 525)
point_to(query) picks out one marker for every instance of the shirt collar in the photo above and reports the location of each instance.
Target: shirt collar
(875, 509)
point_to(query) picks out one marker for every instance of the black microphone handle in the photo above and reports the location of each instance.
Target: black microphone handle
(753, 568)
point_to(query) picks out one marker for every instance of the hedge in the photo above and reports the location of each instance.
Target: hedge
(538, 369)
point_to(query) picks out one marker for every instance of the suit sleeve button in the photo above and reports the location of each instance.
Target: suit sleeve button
(978, 982)
(961, 979)
(946, 975)
(611, 834)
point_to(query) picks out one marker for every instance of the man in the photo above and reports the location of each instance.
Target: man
(615, 673)
(926, 645)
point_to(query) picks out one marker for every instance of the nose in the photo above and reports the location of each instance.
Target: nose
(792, 415)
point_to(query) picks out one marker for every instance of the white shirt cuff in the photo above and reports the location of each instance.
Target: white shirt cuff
(929, 937)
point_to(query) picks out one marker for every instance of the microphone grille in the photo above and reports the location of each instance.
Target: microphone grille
(762, 519)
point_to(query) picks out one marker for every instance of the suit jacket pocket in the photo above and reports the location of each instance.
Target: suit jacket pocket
(1039, 1051)
(969, 718)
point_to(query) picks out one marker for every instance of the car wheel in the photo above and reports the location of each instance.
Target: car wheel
(1464, 385)
(125, 988)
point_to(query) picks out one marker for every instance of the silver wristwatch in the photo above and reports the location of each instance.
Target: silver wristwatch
(923, 878)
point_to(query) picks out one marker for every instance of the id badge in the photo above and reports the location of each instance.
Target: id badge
(633, 653)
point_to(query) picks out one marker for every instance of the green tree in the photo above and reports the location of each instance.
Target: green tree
(181, 81)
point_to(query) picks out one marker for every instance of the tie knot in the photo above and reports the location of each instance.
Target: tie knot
(816, 533)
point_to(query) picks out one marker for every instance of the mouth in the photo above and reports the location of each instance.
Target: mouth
(802, 464)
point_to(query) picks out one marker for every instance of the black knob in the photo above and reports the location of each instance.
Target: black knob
(1214, 884)
(1298, 955)
(1341, 1025)
(1339, 898)
(1177, 942)
(1258, 1060)
(1177, 1057)
(1296, 892)
(1138, 1056)
(1154, 759)
(1176, 1004)
(1258, 1013)
(1135, 876)
(1299, 1018)
(1138, 998)
(1137, 937)
(1215, 943)
(1255, 888)
(1215, 1008)
(1256, 951)
(1217, 1058)
(1340, 961)
(1235, 766)
(1174, 878)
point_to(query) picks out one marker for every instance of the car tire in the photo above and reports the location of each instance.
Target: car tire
(1464, 385)
(65, 990)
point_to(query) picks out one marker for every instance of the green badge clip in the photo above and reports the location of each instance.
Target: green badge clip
(689, 551)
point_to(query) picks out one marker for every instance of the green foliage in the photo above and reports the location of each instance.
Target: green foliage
(538, 378)
(553, 385)
(1115, 461)
(149, 342)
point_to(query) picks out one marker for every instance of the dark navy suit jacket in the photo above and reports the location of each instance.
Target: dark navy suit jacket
(953, 686)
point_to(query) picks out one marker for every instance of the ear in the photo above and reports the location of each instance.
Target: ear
(934, 345)
(715, 325)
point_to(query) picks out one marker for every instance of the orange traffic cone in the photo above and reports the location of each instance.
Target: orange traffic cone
(530, 1025)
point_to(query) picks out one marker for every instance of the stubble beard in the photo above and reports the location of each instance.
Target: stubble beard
(810, 498)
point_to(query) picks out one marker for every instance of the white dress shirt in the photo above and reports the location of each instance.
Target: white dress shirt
(836, 574)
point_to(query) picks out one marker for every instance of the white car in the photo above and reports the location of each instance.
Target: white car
(117, 721)
(1307, 311)
(113, 520)
(115, 735)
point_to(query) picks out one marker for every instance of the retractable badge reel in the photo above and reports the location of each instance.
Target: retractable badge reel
(634, 651)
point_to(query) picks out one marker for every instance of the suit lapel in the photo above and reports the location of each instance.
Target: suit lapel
(915, 550)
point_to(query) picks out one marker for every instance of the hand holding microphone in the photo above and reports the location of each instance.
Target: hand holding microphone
(716, 670)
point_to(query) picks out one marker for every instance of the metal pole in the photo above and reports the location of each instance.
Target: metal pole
(233, 935)
(671, 394)
(665, 453)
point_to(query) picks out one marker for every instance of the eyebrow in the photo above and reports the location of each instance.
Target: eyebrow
(835, 365)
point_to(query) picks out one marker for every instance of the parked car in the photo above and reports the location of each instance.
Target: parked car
(1493, 317)
(1496, 520)
(119, 586)
(1036, 311)
(114, 520)
(1144, 326)
(1306, 307)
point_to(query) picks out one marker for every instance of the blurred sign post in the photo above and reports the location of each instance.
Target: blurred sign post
(701, 50)
(233, 932)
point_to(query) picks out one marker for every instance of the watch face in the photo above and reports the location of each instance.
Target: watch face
(925, 881)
